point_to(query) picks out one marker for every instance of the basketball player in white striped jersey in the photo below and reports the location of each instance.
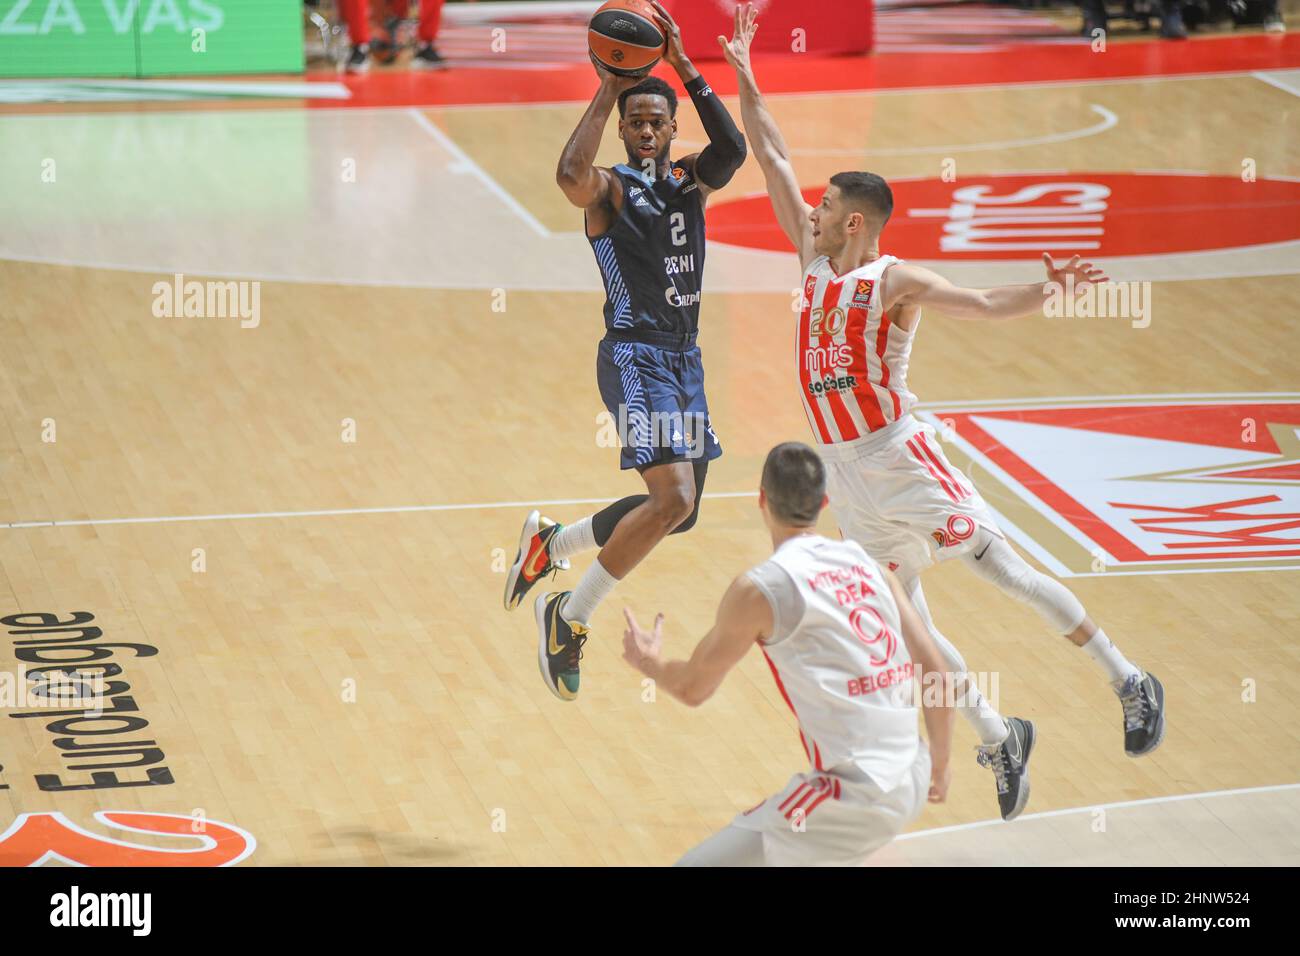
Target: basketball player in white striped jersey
(848, 653)
(891, 487)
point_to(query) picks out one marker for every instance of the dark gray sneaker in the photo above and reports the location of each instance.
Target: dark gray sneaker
(1143, 700)
(1171, 24)
(1009, 762)
(427, 58)
(359, 59)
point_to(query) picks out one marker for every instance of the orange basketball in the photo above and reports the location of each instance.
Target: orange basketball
(624, 37)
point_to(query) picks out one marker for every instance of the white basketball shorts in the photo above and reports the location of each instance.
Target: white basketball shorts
(895, 493)
(836, 817)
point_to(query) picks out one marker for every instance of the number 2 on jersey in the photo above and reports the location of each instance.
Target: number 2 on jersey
(678, 221)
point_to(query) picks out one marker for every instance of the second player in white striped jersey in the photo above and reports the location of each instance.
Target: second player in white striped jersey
(891, 486)
(852, 358)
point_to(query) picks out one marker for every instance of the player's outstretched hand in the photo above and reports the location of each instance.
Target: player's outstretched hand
(940, 778)
(640, 646)
(736, 50)
(1084, 273)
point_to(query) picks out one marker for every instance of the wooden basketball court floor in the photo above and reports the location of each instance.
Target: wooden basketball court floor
(334, 674)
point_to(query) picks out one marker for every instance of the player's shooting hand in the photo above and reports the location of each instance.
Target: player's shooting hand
(940, 778)
(674, 52)
(736, 50)
(640, 646)
(1084, 273)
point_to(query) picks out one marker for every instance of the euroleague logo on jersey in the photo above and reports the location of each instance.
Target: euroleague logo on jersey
(1017, 216)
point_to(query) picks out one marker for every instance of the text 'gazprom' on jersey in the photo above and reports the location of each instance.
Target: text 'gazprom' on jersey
(675, 298)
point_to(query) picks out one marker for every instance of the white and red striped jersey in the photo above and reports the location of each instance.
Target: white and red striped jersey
(852, 359)
(838, 657)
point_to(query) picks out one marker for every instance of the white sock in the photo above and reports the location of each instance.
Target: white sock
(1102, 650)
(591, 590)
(572, 539)
(974, 706)
(979, 713)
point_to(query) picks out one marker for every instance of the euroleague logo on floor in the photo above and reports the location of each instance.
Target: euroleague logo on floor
(34, 839)
(1012, 216)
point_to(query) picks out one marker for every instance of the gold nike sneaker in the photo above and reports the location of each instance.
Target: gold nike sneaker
(560, 646)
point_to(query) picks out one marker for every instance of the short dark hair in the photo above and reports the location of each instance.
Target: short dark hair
(794, 479)
(653, 86)
(866, 189)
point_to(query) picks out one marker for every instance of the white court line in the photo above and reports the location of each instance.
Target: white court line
(1271, 81)
(1148, 261)
(1069, 401)
(991, 403)
(1157, 572)
(897, 91)
(467, 165)
(325, 107)
(222, 90)
(1177, 798)
(324, 513)
(1108, 121)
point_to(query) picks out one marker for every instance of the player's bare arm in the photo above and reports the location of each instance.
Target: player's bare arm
(766, 141)
(940, 716)
(587, 186)
(714, 166)
(912, 286)
(744, 617)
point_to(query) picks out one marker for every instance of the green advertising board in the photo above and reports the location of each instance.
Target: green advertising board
(149, 37)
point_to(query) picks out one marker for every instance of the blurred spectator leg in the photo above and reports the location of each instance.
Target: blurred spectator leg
(426, 57)
(1273, 22)
(356, 14)
(1171, 20)
(1094, 16)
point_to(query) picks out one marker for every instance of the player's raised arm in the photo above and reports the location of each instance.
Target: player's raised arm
(744, 616)
(718, 162)
(939, 714)
(583, 183)
(765, 139)
(916, 286)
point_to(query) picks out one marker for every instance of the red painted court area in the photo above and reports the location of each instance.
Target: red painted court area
(1007, 216)
(1029, 63)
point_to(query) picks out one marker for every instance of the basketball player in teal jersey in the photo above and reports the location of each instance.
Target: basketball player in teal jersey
(645, 223)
